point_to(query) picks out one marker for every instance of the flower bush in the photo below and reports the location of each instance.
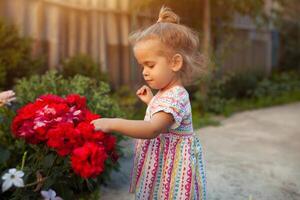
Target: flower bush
(64, 125)
(56, 146)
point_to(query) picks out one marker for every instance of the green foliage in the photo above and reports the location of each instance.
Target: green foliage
(222, 89)
(43, 160)
(277, 84)
(84, 65)
(201, 119)
(97, 93)
(233, 93)
(290, 42)
(129, 103)
(286, 19)
(15, 56)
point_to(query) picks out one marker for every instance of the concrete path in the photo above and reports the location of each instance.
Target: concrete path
(252, 155)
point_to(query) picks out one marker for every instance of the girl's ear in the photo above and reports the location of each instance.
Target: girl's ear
(177, 62)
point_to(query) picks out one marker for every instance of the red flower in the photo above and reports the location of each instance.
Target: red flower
(88, 132)
(35, 119)
(110, 142)
(50, 98)
(114, 156)
(23, 124)
(64, 138)
(88, 160)
(25, 131)
(49, 116)
(75, 115)
(91, 116)
(76, 100)
(28, 111)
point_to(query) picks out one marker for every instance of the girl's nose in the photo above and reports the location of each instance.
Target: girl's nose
(145, 72)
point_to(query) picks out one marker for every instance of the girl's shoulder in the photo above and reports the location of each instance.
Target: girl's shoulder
(175, 94)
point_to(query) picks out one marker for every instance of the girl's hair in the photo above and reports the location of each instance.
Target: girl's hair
(179, 38)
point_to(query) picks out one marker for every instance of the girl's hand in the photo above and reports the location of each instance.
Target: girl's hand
(145, 94)
(103, 124)
(6, 97)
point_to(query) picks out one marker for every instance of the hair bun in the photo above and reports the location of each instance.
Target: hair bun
(168, 16)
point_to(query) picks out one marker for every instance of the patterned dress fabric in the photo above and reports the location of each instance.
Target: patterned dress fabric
(169, 166)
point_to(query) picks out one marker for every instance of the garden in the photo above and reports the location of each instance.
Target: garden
(48, 149)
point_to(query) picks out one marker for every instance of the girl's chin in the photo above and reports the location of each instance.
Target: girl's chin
(153, 86)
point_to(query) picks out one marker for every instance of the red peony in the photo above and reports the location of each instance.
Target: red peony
(88, 160)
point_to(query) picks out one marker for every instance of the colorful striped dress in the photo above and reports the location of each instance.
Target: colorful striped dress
(169, 166)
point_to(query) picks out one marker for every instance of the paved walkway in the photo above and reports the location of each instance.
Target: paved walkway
(252, 155)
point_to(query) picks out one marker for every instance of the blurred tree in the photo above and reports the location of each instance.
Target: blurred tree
(210, 17)
(289, 10)
(288, 22)
(83, 65)
(206, 28)
(15, 56)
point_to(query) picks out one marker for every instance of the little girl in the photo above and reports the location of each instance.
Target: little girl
(168, 161)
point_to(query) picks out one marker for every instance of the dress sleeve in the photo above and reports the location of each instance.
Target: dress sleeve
(172, 104)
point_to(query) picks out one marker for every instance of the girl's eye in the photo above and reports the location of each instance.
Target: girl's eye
(150, 66)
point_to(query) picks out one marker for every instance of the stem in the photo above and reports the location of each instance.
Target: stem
(54, 161)
(36, 182)
(44, 178)
(23, 160)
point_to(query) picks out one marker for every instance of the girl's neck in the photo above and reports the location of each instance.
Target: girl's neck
(170, 85)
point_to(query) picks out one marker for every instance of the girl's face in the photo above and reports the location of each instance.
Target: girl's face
(157, 70)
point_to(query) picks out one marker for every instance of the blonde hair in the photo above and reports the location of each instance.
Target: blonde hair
(180, 38)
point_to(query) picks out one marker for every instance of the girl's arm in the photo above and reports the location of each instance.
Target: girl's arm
(136, 128)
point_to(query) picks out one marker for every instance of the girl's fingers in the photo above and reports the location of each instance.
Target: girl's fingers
(144, 91)
(11, 99)
(141, 90)
(7, 94)
(6, 97)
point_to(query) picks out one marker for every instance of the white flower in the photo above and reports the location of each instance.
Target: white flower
(50, 195)
(13, 177)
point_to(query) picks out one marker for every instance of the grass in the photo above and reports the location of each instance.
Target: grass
(210, 119)
(202, 120)
(250, 104)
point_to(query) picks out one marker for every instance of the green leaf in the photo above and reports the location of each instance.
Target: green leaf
(4, 155)
(48, 161)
